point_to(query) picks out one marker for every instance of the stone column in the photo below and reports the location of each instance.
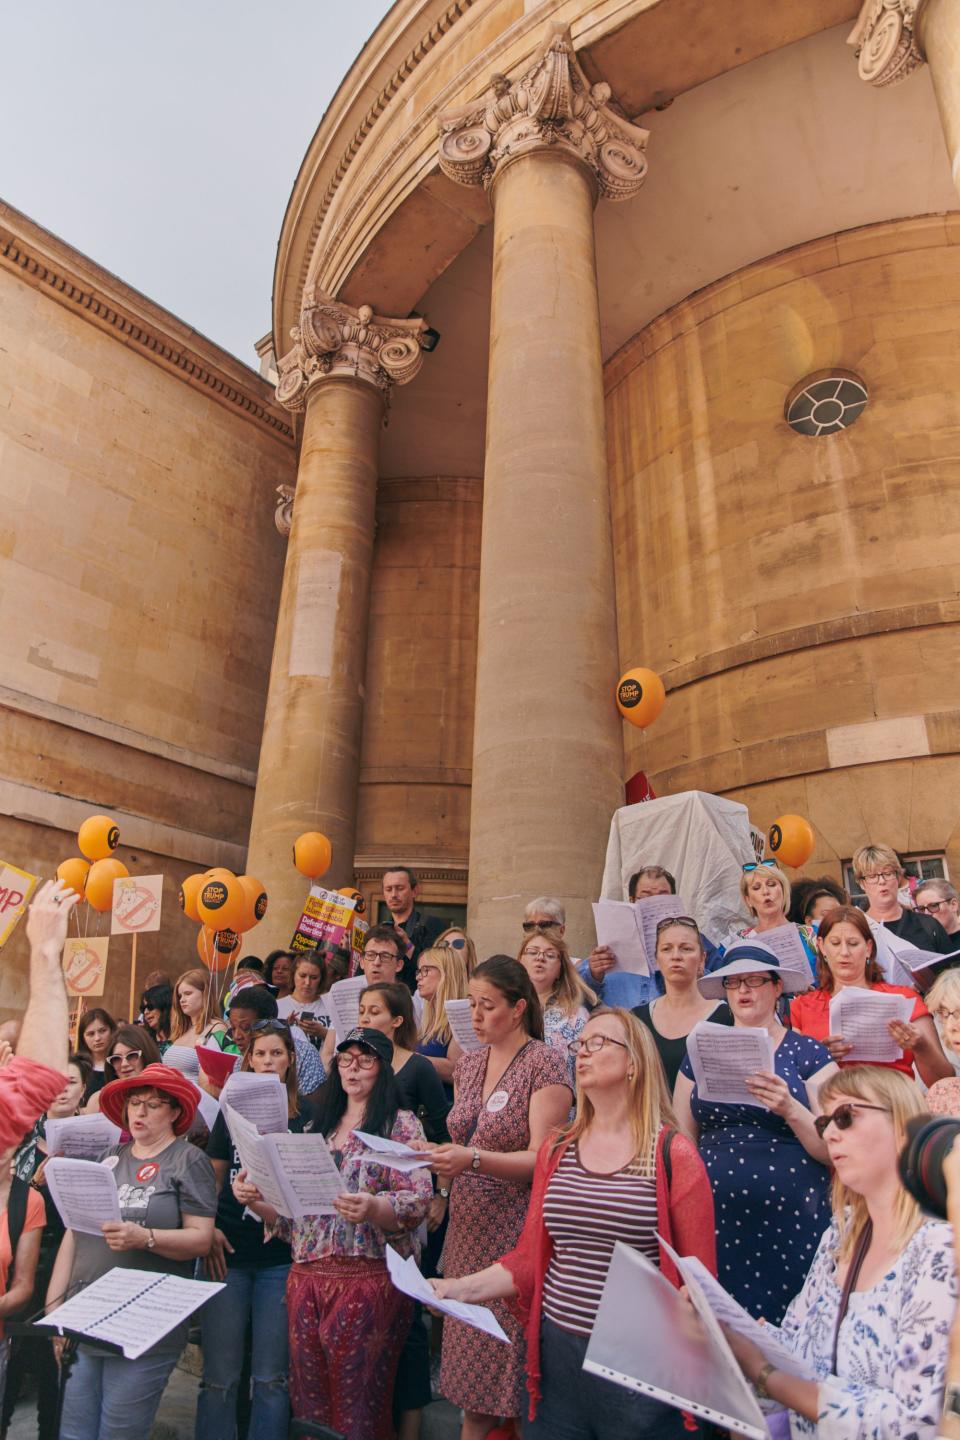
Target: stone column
(548, 748)
(893, 37)
(339, 371)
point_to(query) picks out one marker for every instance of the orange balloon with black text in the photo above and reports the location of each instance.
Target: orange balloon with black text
(791, 840)
(74, 872)
(190, 894)
(640, 696)
(98, 837)
(222, 903)
(312, 854)
(99, 891)
(360, 904)
(217, 948)
(255, 898)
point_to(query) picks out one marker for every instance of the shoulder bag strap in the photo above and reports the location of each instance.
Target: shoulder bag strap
(853, 1273)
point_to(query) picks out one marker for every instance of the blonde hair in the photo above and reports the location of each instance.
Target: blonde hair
(875, 857)
(775, 873)
(434, 1024)
(945, 990)
(650, 1105)
(200, 980)
(904, 1099)
(469, 949)
(569, 991)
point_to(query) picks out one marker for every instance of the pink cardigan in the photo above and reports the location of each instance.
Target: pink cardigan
(684, 1219)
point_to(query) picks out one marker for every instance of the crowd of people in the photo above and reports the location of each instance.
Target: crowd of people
(574, 1121)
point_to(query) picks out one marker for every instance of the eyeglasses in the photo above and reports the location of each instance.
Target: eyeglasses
(530, 925)
(930, 906)
(879, 877)
(382, 955)
(755, 865)
(152, 1105)
(543, 954)
(944, 1014)
(593, 1043)
(347, 1061)
(460, 944)
(752, 982)
(844, 1115)
(118, 1059)
(687, 920)
(427, 970)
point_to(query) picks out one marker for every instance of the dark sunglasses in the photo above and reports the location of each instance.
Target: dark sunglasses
(457, 944)
(268, 1025)
(529, 925)
(844, 1116)
(755, 865)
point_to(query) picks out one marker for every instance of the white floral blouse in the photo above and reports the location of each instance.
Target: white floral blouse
(560, 1030)
(892, 1355)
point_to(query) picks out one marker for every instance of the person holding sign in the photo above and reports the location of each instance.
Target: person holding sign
(681, 962)
(766, 1162)
(255, 1274)
(618, 1172)
(168, 1200)
(872, 1320)
(564, 998)
(848, 960)
(347, 1322)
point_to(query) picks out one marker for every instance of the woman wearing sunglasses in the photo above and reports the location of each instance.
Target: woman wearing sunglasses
(766, 1162)
(873, 1317)
(765, 891)
(618, 1172)
(848, 958)
(681, 960)
(460, 941)
(132, 1050)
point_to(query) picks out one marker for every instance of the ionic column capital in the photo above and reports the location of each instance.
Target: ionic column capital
(886, 40)
(551, 106)
(334, 340)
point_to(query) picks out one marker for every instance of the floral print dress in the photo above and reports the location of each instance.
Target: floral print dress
(892, 1355)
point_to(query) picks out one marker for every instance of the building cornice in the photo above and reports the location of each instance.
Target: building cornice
(63, 274)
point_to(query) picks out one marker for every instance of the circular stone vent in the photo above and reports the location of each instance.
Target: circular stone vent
(826, 402)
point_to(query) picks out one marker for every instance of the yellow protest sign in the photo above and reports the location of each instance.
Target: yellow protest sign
(16, 887)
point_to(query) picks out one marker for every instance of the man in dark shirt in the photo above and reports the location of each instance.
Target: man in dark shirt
(416, 931)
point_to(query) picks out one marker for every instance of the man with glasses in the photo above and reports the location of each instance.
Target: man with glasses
(250, 1009)
(879, 871)
(939, 900)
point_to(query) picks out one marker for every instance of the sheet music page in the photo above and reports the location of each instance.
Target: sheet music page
(84, 1192)
(131, 1308)
(343, 1003)
(618, 927)
(393, 1153)
(461, 1024)
(409, 1281)
(785, 942)
(308, 1170)
(862, 1016)
(650, 911)
(81, 1137)
(261, 1099)
(722, 1056)
(258, 1161)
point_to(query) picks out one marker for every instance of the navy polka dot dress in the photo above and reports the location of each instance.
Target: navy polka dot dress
(770, 1196)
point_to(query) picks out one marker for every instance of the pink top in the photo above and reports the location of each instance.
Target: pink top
(26, 1089)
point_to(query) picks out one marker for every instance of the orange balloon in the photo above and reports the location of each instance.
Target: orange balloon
(312, 854)
(640, 697)
(98, 837)
(100, 882)
(217, 948)
(255, 898)
(74, 872)
(360, 905)
(791, 840)
(190, 894)
(222, 903)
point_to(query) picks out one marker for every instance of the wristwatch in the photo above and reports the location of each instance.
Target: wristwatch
(151, 1238)
(951, 1400)
(475, 1162)
(443, 1192)
(760, 1384)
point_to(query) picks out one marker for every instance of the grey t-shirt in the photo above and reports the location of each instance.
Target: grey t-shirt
(157, 1192)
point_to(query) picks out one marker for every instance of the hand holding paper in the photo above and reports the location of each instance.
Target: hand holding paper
(461, 1024)
(862, 1017)
(409, 1281)
(723, 1056)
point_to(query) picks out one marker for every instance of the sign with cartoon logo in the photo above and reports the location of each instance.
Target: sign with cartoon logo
(137, 900)
(85, 965)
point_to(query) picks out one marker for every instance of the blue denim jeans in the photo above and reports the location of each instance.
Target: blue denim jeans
(255, 1294)
(111, 1398)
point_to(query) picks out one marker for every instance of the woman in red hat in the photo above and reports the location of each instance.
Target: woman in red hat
(168, 1200)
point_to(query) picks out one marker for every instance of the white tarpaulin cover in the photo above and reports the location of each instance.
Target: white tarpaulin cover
(702, 840)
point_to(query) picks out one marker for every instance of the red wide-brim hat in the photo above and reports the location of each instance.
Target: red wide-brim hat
(153, 1077)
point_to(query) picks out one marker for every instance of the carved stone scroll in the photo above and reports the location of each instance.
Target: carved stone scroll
(886, 42)
(333, 339)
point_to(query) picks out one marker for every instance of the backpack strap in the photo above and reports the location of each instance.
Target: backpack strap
(16, 1219)
(667, 1167)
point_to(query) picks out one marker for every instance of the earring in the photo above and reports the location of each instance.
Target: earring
(630, 1074)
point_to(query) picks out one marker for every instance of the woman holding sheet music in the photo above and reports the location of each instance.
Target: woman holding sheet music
(681, 961)
(848, 958)
(255, 1274)
(347, 1323)
(765, 891)
(766, 1162)
(168, 1200)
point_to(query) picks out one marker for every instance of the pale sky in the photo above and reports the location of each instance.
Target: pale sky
(163, 139)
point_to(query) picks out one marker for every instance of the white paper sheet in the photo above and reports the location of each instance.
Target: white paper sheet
(618, 927)
(650, 911)
(730, 1312)
(862, 1017)
(295, 1174)
(256, 1160)
(131, 1308)
(678, 1353)
(84, 1192)
(889, 947)
(81, 1137)
(343, 1003)
(407, 1278)
(391, 1152)
(261, 1099)
(722, 1056)
(785, 942)
(461, 1024)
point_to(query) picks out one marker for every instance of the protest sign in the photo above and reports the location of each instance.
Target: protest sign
(137, 900)
(328, 917)
(16, 887)
(85, 965)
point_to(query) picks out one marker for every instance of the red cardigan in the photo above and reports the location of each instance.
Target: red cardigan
(684, 1219)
